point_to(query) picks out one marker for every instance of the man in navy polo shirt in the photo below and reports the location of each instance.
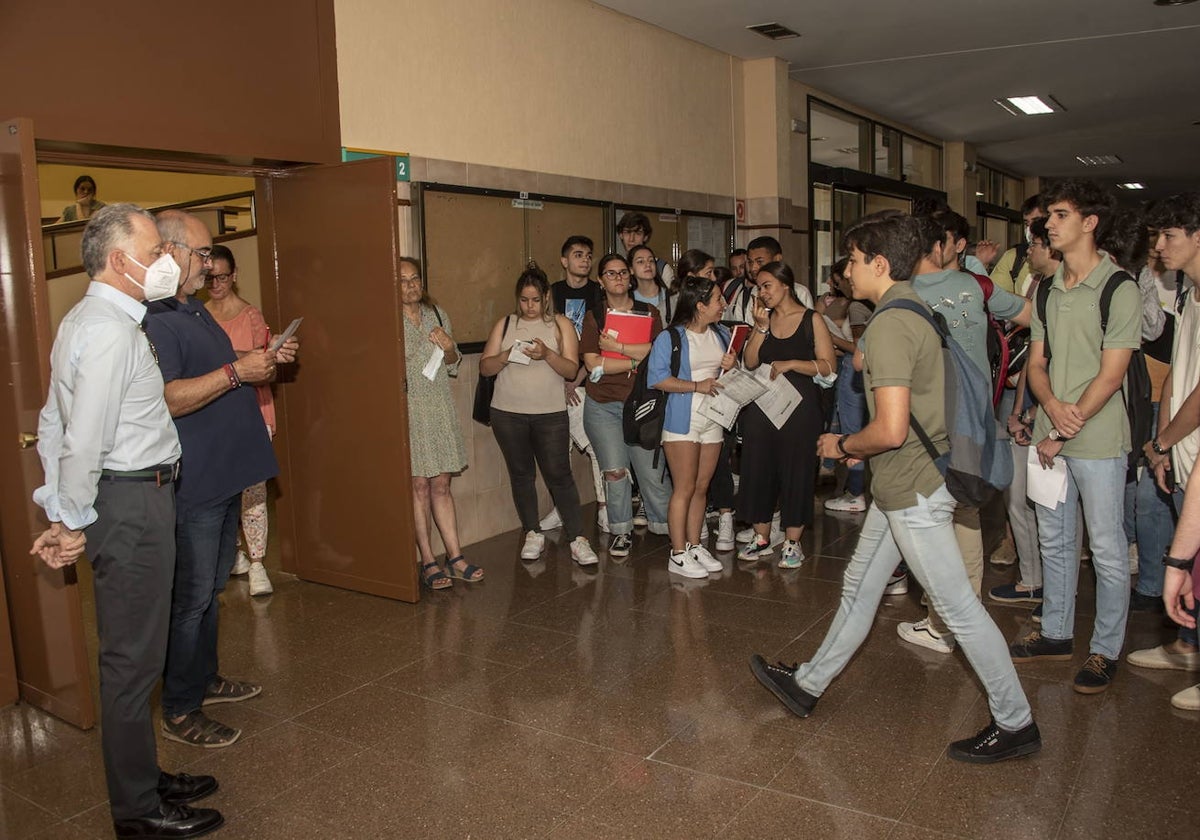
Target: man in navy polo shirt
(225, 450)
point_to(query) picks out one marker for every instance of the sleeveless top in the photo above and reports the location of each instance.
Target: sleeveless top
(534, 388)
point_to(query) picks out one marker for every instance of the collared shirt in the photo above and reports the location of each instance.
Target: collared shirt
(105, 408)
(225, 443)
(1076, 343)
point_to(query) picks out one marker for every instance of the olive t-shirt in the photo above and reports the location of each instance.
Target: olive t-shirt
(901, 349)
(1073, 322)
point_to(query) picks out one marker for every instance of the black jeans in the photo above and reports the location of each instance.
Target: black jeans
(546, 438)
(132, 550)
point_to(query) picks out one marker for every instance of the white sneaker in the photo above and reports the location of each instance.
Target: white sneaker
(685, 563)
(1188, 699)
(639, 517)
(602, 519)
(791, 557)
(241, 565)
(704, 534)
(551, 520)
(1161, 659)
(897, 584)
(725, 541)
(260, 584)
(755, 550)
(1133, 558)
(920, 633)
(710, 563)
(777, 535)
(535, 543)
(847, 504)
(583, 553)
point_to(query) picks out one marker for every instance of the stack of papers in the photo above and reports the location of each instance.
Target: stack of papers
(777, 398)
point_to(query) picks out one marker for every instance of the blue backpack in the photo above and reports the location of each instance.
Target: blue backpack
(977, 465)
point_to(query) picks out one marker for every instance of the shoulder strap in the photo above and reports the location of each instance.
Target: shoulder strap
(1106, 296)
(437, 314)
(1042, 299)
(943, 335)
(507, 319)
(676, 350)
(1022, 251)
(639, 306)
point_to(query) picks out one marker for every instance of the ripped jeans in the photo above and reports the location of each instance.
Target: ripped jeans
(603, 423)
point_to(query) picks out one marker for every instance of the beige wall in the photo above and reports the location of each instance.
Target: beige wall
(555, 86)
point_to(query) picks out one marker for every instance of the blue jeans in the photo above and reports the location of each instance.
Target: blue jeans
(924, 536)
(206, 547)
(852, 415)
(1099, 484)
(1150, 521)
(604, 425)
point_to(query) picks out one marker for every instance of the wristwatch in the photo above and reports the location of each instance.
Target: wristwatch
(1177, 563)
(1055, 434)
(841, 444)
(1157, 447)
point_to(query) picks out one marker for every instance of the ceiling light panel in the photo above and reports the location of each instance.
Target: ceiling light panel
(1098, 160)
(774, 31)
(1030, 106)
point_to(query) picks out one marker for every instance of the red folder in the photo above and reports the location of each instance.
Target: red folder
(627, 328)
(737, 338)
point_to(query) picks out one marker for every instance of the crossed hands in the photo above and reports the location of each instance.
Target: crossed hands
(59, 546)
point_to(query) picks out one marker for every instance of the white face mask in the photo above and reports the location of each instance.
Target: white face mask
(162, 278)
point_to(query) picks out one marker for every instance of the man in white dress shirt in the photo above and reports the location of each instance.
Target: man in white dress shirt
(110, 455)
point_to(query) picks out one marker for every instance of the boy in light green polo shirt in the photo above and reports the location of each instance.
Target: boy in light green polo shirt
(1083, 424)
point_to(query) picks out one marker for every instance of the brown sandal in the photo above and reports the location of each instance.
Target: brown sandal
(199, 730)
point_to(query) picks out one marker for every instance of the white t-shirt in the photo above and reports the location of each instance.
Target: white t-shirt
(704, 354)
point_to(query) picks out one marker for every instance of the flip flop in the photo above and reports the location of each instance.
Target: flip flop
(471, 574)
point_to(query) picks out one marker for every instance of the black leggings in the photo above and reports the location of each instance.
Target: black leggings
(546, 438)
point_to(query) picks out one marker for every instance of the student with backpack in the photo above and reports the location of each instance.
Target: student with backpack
(1076, 370)
(684, 363)
(912, 508)
(967, 307)
(610, 381)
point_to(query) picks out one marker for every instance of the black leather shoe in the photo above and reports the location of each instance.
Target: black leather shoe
(171, 823)
(182, 788)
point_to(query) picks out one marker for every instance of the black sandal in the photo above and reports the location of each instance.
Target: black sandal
(470, 573)
(435, 580)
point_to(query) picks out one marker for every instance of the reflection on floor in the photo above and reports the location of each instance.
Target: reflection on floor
(555, 702)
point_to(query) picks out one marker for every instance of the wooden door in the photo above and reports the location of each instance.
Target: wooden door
(44, 609)
(328, 250)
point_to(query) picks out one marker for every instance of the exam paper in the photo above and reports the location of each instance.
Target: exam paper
(1045, 487)
(435, 361)
(780, 398)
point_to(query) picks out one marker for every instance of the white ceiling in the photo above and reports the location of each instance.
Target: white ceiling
(1126, 71)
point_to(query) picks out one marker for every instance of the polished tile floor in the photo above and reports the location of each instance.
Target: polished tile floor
(553, 702)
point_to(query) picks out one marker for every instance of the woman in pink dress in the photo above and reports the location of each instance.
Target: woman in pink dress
(247, 330)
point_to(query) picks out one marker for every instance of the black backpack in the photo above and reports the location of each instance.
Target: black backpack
(1136, 387)
(646, 407)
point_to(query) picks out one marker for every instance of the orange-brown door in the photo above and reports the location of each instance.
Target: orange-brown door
(8, 662)
(43, 605)
(328, 251)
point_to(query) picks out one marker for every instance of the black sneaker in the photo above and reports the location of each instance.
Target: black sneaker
(1096, 674)
(780, 680)
(1144, 603)
(994, 744)
(1036, 646)
(620, 545)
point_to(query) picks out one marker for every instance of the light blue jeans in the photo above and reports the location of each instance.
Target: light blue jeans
(924, 536)
(1099, 483)
(604, 425)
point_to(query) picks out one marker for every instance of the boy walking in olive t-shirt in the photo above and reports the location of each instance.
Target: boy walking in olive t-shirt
(912, 511)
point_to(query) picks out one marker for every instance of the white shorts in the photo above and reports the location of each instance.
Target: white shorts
(703, 429)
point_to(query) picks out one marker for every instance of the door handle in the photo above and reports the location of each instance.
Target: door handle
(26, 440)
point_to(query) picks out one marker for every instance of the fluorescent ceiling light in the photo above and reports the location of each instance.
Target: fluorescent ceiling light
(1029, 105)
(1132, 185)
(1098, 160)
